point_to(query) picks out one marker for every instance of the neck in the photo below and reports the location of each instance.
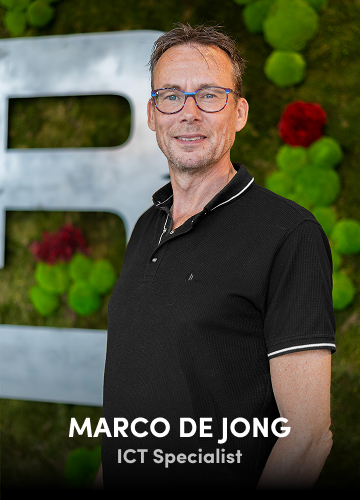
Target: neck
(193, 190)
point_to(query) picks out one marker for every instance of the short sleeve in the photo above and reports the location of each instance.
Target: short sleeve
(299, 308)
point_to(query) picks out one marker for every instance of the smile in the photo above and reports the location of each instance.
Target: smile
(194, 138)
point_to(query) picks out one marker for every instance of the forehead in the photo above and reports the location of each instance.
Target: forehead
(183, 64)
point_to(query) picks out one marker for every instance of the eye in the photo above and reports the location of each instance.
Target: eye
(172, 97)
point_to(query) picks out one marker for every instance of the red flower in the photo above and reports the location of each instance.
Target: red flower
(59, 246)
(302, 123)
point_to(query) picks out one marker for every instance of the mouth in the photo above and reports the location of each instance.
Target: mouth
(190, 139)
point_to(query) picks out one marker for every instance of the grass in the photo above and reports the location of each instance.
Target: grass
(34, 438)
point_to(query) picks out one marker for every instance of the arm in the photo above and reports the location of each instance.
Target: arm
(98, 482)
(301, 385)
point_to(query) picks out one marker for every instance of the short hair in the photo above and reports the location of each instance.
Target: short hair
(200, 35)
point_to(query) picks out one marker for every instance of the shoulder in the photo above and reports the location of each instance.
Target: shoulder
(280, 207)
(268, 213)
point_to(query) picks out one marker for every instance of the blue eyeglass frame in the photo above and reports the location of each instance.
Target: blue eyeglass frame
(189, 94)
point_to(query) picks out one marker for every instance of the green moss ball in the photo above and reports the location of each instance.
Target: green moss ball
(280, 183)
(102, 276)
(343, 291)
(52, 278)
(291, 159)
(83, 299)
(300, 200)
(44, 302)
(285, 69)
(80, 267)
(346, 236)
(15, 22)
(326, 218)
(18, 5)
(289, 25)
(320, 187)
(39, 13)
(244, 2)
(336, 258)
(317, 5)
(255, 13)
(81, 466)
(325, 152)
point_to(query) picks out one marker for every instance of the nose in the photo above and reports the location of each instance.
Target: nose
(191, 109)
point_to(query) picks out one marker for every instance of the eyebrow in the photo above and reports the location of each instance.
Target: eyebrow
(177, 87)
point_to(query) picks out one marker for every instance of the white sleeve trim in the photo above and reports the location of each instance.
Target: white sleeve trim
(300, 347)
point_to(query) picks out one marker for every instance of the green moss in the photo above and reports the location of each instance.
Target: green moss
(343, 291)
(326, 218)
(102, 276)
(280, 183)
(292, 159)
(346, 236)
(320, 187)
(336, 258)
(243, 2)
(255, 13)
(81, 466)
(80, 267)
(317, 5)
(44, 302)
(39, 13)
(290, 25)
(325, 152)
(15, 22)
(52, 278)
(18, 5)
(285, 69)
(83, 299)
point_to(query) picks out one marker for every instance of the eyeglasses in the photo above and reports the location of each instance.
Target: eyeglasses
(208, 99)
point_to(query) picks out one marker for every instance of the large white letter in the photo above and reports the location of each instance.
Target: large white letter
(86, 425)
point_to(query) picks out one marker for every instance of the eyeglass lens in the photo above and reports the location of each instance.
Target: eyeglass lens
(210, 99)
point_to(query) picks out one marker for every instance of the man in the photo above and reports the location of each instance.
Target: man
(223, 309)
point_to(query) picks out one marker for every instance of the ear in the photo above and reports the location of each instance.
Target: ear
(151, 114)
(242, 113)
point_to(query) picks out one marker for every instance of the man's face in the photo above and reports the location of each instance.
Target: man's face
(190, 68)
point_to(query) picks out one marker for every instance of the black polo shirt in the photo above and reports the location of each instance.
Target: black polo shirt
(194, 319)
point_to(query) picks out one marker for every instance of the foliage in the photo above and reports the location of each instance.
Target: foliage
(285, 30)
(102, 276)
(326, 152)
(81, 466)
(40, 13)
(59, 246)
(83, 278)
(15, 5)
(302, 123)
(15, 22)
(346, 236)
(44, 302)
(37, 13)
(318, 5)
(326, 216)
(255, 13)
(52, 278)
(343, 291)
(80, 267)
(280, 183)
(83, 299)
(318, 186)
(291, 159)
(285, 68)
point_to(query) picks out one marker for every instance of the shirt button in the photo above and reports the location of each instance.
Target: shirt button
(171, 232)
(154, 259)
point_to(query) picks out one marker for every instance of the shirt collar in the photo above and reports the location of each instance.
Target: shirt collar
(241, 181)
